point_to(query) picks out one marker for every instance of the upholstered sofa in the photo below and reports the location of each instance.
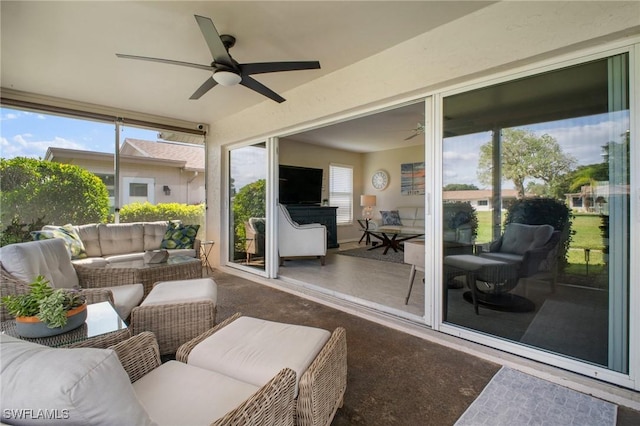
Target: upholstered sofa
(409, 220)
(101, 243)
(128, 385)
(23, 262)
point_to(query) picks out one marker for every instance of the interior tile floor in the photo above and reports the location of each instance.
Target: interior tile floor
(377, 284)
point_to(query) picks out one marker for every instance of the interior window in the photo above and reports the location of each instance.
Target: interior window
(341, 192)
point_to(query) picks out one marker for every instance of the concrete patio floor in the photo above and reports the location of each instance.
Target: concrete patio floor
(394, 377)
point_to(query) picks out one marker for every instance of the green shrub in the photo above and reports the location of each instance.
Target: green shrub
(147, 212)
(32, 189)
(17, 232)
(457, 213)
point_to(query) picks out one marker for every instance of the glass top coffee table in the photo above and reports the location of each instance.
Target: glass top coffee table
(136, 271)
(102, 329)
(391, 239)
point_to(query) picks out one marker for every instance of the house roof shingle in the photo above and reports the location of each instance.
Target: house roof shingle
(192, 155)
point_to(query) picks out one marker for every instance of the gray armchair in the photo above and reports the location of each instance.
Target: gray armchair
(528, 246)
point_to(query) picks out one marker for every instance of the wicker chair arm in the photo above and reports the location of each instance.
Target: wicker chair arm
(94, 277)
(184, 350)
(272, 404)
(322, 386)
(97, 295)
(138, 355)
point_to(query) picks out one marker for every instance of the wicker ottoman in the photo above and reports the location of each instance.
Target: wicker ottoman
(494, 272)
(176, 312)
(249, 349)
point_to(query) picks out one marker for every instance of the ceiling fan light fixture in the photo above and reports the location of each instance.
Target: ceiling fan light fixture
(226, 78)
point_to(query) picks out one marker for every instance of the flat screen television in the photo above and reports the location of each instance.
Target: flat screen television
(300, 185)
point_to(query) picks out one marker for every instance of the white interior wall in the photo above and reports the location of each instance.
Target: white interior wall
(391, 197)
(496, 38)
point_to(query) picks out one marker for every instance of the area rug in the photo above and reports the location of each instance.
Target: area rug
(515, 398)
(375, 254)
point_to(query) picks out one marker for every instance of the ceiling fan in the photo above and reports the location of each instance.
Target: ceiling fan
(417, 131)
(226, 70)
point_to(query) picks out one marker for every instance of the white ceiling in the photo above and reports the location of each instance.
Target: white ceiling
(67, 49)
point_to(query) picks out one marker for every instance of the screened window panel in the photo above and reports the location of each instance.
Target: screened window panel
(341, 192)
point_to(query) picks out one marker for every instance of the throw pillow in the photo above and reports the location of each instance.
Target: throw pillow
(179, 236)
(391, 218)
(68, 234)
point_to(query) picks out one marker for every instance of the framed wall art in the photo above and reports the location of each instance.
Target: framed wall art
(412, 178)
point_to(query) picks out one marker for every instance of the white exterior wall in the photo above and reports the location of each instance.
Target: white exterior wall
(496, 38)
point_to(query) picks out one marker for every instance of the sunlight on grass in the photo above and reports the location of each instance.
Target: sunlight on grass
(586, 235)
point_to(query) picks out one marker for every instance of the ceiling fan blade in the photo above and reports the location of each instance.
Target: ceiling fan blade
(166, 61)
(260, 88)
(218, 51)
(265, 67)
(206, 86)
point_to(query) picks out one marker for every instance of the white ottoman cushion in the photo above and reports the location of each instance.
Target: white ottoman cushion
(126, 297)
(178, 394)
(165, 292)
(254, 350)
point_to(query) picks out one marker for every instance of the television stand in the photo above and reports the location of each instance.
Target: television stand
(304, 214)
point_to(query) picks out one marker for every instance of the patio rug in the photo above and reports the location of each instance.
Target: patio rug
(376, 254)
(515, 398)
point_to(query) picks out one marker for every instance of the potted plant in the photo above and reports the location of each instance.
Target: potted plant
(44, 311)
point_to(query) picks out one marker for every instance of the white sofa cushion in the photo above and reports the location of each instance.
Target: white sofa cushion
(74, 386)
(182, 291)
(154, 233)
(121, 238)
(126, 297)
(90, 238)
(210, 395)
(49, 258)
(254, 350)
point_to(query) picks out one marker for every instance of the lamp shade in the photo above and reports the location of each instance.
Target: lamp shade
(367, 200)
(227, 78)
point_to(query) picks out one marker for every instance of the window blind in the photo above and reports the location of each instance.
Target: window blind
(341, 192)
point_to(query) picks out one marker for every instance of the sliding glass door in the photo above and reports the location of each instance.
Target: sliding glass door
(248, 206)
(536, 211)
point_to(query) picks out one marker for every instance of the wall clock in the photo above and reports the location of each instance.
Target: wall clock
(380, 180)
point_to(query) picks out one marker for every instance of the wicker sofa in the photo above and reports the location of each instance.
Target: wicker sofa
(128, 384)
(102, 243)
(23, 262)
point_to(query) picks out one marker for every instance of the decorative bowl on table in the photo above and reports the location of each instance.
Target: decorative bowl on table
(155, 256)
(32, 327)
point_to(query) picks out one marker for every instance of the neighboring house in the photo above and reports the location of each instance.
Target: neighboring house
(595, 199)
(157, 172)
(480, 199)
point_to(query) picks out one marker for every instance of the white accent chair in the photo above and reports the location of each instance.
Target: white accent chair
(25, 261)
(295, 240)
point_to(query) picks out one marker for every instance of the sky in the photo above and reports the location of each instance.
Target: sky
(29, 134)
(582, 138)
